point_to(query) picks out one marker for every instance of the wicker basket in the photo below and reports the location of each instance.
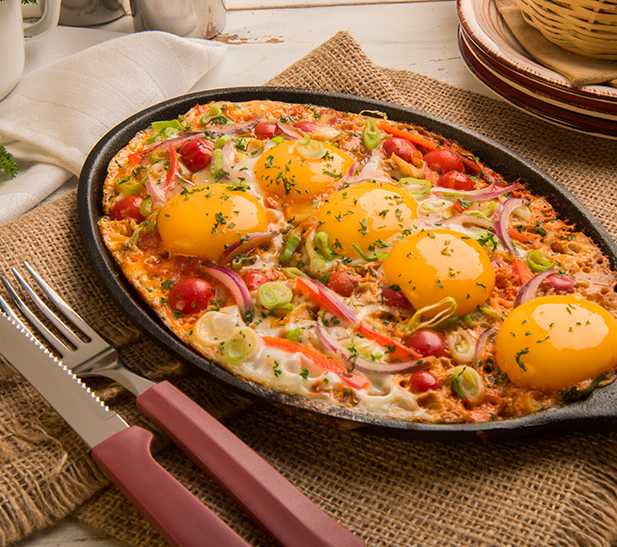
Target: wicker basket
(586, 27)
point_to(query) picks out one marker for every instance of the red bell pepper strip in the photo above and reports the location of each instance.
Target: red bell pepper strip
(522, 270)
(137, 157)
(413, 138)
(515, 234)
(173, 166)
(353, 379)
(397, 349)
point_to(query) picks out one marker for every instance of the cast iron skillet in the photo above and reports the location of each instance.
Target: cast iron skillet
(594, 413)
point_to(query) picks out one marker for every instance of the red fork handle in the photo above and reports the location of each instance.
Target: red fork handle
(179, 517)
(284, 512)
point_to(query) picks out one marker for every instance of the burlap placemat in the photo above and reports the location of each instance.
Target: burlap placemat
(551, 490)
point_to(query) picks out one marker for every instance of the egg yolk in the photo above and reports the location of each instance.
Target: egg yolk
(204, 220)
(432, 265)
(555, 342)
(369, 214)
(288, 172)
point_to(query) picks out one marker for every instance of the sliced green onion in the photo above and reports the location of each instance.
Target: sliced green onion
(292, 273)
(435, 205)
(593, 385)
(316, 260)
(416, 323)
(240, 261)
(468, 321)
(274, 295)
(132, 185)
(374, 258)
(242, 346)
(537, 263)
(478, 214)
(220, 142)
(489, 212)
(217, 164)
(462, 346)
(213, 112)
(145, 208)
(371, 134)
(488, 311)
(144, 228)
(277, 140)
(158, 155)
(416, 187)
(293, 242)
(215, 327)
(322, 244)
(466, 383)
(171, 124)
(310, 149)
(294, 334)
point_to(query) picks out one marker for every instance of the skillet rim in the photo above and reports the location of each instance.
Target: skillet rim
(593, 413)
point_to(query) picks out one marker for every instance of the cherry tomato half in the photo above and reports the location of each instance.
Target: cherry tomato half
(254, 279)
(306, 126)
(456, 180)
(428, 342)
(422, 381)
(395, 297)
(196, 154)
(444, 160)
(190, 295)
(128, 207)
(401, 147)
(560, 283)
(342, 283)
(265, 130)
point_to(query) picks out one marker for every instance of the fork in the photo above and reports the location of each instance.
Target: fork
(274, 503)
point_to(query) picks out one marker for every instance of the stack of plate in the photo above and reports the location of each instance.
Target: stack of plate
(494, 56)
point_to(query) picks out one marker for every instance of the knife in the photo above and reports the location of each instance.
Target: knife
(120, 450)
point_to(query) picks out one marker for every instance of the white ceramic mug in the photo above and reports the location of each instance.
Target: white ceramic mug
(12, 35)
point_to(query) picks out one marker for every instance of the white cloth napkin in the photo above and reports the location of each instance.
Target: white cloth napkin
(69, 97)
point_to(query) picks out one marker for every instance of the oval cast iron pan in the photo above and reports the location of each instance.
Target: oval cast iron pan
(596, 413)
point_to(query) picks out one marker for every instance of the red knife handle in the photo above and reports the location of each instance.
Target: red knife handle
(179, 517)
(284, 512)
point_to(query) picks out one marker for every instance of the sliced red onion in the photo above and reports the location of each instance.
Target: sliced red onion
(155, 191)
(233, 129)
(344, 312)
(289, 131)
(176, 141)
(355, 168)
(229, 156)
(502, 222)
(235, 285)
(467, 219)
(362, 364)
(245, 244)
(528, 290)
(484, 194)
(482, 341)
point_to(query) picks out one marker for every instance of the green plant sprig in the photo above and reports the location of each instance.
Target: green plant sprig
(7, 163)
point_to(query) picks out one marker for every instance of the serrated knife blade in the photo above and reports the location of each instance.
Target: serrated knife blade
(122, 451)
(72, 399)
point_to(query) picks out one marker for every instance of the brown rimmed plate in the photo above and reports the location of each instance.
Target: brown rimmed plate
(597, 412)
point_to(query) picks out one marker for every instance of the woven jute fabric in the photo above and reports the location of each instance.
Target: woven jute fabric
(551, 490)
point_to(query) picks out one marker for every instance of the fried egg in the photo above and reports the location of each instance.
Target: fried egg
(368, 214)
(204, 220)
(293, 172)
(557, 341)
(431, 265)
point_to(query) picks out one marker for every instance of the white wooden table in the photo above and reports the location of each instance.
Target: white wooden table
(265, 37)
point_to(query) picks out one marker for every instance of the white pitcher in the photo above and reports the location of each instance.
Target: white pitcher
(12, 35)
